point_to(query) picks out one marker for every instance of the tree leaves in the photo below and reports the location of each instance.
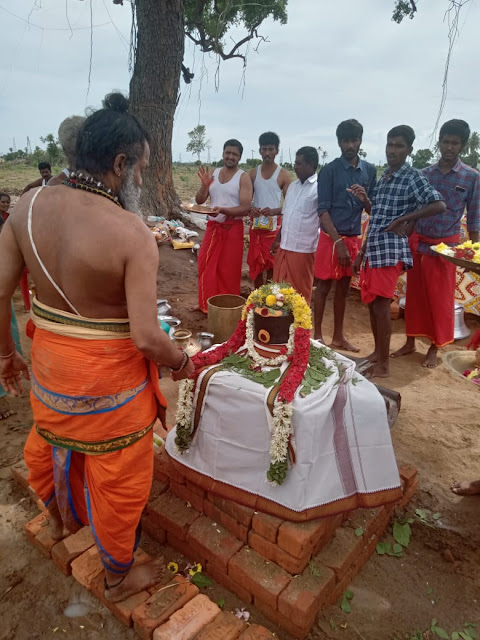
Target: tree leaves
(402, 534)
(200, 580)
(345, 602)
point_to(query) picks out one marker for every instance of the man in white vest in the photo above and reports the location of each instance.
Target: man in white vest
(270, 182)
(220, 256)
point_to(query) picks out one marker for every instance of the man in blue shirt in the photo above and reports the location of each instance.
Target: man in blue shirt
(402, 195)
(345, 188)
(430, 305)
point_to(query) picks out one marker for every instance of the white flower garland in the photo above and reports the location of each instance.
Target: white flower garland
(259, 360)
(185, 408)
(282, 429)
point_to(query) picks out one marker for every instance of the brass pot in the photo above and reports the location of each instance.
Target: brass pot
(184, 339)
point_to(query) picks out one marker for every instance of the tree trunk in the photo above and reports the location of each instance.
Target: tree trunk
(154, 93)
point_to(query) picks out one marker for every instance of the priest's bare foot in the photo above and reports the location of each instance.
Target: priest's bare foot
(377, 370)
(319, 338)
(408, 347)
(466, 488)
(139, 578)
(373, 357)
(344, 344)
(55, 527)
(6, 413)
(431, 360)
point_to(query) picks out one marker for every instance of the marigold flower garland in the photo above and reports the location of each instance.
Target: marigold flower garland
(296, 353)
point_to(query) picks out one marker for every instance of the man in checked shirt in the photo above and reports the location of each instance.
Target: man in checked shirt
(429, 308)
(402, 195)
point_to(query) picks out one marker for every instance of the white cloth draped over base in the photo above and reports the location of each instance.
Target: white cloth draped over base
(342, 440)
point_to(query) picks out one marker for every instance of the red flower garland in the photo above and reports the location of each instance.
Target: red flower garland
(298, 366)
(205, 359)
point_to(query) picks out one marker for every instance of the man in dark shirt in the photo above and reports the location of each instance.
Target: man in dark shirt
(430, 304)
(402, 195)
(345, 188)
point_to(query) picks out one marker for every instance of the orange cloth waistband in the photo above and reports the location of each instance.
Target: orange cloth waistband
(91, 391)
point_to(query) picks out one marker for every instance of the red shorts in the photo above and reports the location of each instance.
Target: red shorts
(326, 258)
(379, 282)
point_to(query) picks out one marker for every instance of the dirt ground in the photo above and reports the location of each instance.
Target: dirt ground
(438, 577)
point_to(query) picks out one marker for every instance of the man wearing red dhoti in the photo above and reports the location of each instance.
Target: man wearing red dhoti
(345, 187)
(270, 182)
(220, 256)
(429, 308)
(298, 236)
(96, 343)
(401, 196)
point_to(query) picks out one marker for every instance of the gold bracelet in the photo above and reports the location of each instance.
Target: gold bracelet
(9, 355)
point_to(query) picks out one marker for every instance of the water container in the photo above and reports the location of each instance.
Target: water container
(224, 312)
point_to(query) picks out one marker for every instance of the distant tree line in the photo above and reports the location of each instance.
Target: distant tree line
(52, 153)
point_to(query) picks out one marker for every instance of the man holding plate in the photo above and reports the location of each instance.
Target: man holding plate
(220, 256)
(429, 307)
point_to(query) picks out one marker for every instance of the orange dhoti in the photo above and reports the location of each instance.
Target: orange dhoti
(259, 258)
(430, 303)
(296, 269)
(94, 400)
(220, 260)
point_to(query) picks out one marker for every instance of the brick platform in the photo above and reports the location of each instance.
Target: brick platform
(290, 571)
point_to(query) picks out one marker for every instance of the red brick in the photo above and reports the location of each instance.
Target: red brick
(341, 552)
(408, 495)
(44, 541)
(266, 526)
(158, 487)
(299, 538)
(19, 473)
(70, 548)
(225, 580)
(370, 520)
(265, 580)
(335, 522)
(256, 632)
(172, 514)
(36, 500)
(272, 552)
(122, 610)
(354, 569)
(226, 626)
(305, 594)
(87, 567)
(187, 622)
(188, 549)
(33, 527)
(239, 530)
(236, 511)
(184, 493)
(298, 631)
(162, 468)
(408, 474)
(160, 606)
(216, 544)
(152, 529)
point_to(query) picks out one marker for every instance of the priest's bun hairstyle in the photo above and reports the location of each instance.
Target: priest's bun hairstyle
(108, 132)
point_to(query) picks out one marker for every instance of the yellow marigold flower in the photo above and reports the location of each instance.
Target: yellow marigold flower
(270, 300)
(441, 247)
(172, 567)
(196, 569)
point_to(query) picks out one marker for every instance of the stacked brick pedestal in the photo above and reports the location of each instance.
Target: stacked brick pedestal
(289, 571)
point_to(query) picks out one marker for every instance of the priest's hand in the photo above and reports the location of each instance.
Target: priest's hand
(11, 371)
(206, 178)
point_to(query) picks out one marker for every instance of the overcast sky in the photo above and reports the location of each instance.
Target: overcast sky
(333, 60)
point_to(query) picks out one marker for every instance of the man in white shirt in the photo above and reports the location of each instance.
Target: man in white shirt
(298, 237)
